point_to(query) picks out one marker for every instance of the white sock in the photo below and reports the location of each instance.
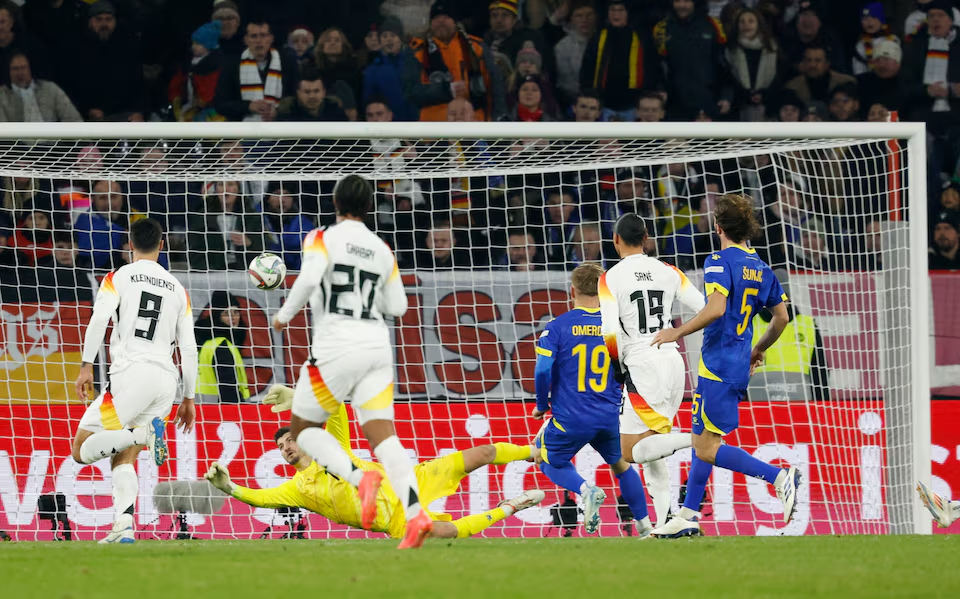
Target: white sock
(687, 514)
(125, 490)
(656, 447)
(326, 451)
(399, 467)
(658, 486)
(107, 443)
(583, 487)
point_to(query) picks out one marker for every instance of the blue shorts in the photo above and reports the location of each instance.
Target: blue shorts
(561, 442)
(716, 406)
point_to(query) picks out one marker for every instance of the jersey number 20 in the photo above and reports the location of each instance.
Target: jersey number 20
(599, 367)
(356, 281)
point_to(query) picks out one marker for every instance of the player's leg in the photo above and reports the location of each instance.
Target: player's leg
(495, 454)
(557, 448)
(944, 511)
(105, 428)
(125, 490)
(655, 396)
(477, 523)
(607, 444)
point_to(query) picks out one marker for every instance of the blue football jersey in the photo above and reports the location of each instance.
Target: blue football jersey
(749, 286)
(583, 390)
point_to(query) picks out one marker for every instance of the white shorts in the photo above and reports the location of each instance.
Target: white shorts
(652, 392)
(364, 377)
(132, 399)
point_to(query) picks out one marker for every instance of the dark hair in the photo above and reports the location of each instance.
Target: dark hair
(631, 229)
(589, 93)
(520, 231)
(17, 54)
(763, 29)
(735, 217)
(585, 278)
(145, 235)
(259, 22)
(377, 98)
(283, 430)
(648, 95)
(850, 89)
(352, 196)
(312, 74)
(820, 47)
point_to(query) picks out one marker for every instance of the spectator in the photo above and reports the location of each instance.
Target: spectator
(789, 107)
(587, 108)
(336, 61)
(817, 79)
(529, 62)
(284, 224)
(651, 108)
(440, 250)
(813, 253)
(14, 41)
(454, 65)
(224, 230)
(523, 253)
(27, 99)
(311, 103)
(586, 246)
(301, 43)
(508, 34)
(193, 88)
(807, 32)
(944, 254)
(530, 106)
(561, 216)
(108, 70)
(950, 198)
(753, 56)
(385, 74)
(101, 231)
(252, 84)
(65, 277)
(33, 238)
(231, 39)
(845, 104)
(878, 113)
(917, 19)
(220, 332)
(880, 85)
(569, 51)
(873, 20)
(816, 112)
(619, 64)
(690, 45)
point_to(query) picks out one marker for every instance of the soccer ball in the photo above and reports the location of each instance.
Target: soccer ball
(267, 271)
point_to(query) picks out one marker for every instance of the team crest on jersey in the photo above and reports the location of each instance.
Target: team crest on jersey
(716, 256)
(544, 333)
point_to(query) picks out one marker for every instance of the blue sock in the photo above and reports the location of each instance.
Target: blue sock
(631, 487)
(738, 460)
(565, 476)
(697, 483)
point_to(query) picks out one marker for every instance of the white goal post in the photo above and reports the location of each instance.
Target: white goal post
(872, 480)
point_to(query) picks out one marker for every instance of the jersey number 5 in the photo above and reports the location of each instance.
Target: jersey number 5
(150, 311)
(746, 309)
(599, 367)
(652, 300)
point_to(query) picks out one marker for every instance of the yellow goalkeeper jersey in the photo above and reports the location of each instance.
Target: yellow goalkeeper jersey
(315, 489)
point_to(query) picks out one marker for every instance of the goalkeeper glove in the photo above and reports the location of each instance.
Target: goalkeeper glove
(219, 477)
(280, 397)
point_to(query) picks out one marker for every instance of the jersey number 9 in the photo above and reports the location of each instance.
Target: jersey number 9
(599, 367)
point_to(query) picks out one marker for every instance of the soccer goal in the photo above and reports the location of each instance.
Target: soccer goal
(487, 220)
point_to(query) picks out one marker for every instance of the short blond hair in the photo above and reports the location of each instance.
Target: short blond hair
(585, 279)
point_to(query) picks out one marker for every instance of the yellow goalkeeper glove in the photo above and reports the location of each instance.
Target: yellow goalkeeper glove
(280, 397)
(219, 477)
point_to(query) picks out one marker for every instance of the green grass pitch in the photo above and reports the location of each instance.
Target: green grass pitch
(909, 566)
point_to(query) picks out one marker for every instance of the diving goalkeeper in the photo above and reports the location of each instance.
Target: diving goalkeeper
(314, 489)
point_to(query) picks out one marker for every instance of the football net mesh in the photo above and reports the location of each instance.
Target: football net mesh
(486, 233)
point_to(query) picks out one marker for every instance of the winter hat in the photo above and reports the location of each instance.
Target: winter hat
(885, 48)
(208, 35)
(440, 8)
(507, 5)
(225, 6)
(875, 10)
(101, 8)
(944, 5)
(531, 79)
(817, 109)
(393, 25)
(529, 53)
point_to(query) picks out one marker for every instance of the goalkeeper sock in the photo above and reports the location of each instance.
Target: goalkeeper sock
(508, 452)
(565, 476)
(696, 486)
(631, 487)
(107, 443)
(125, 490)
(738, 460)
(658, 484)
(399, 468)
(471, 525)
(656, 447)
(326, 451)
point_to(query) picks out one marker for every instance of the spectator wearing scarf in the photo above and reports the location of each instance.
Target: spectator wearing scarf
(873, 19)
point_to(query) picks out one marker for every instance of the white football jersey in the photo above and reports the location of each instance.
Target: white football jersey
(350, 277)
(151, 317)
(636, 301)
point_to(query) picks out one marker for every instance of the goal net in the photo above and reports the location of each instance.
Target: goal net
(486, 220)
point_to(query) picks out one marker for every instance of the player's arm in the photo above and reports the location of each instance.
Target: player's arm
(104, 307)
(312, 269)
(776, 303)
(393, 300)
(610, 324)
(688, 294)
(187, 343)
(547, 346)
(286, 495)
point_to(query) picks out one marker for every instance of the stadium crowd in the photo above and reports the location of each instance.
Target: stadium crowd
(473, 60)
